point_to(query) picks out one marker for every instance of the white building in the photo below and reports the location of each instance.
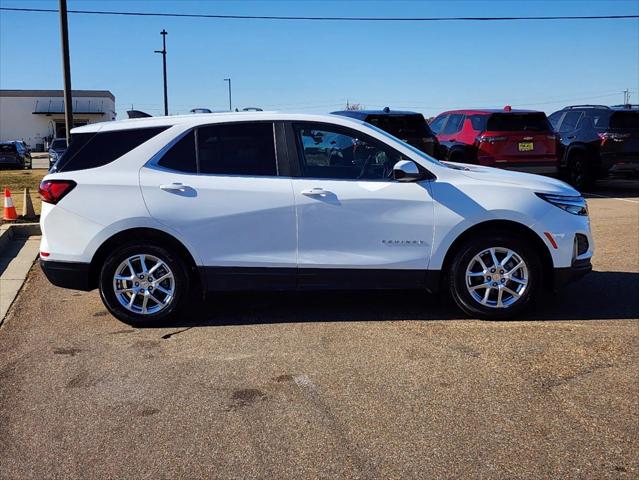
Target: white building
(37, 116)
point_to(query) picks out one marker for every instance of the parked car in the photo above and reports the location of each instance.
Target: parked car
(597, 141)
(253, 201)
(520, 140)
(14, 155)
(410, 127)
(56, 150)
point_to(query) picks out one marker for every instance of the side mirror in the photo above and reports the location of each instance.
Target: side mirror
(406, 171)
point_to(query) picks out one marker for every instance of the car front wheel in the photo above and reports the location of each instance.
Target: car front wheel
(494, 276)
(143, 285)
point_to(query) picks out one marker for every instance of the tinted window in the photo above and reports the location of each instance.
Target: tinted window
(454, 123)
(438, 123)
(569, 123)
(59, 144)
(625, 120)
(91, 150)
(554, 119)
(181, 156)
(478, 122)
(518, 122)
(402, 126)
(343, 154)
(237, 149)
(7, 148)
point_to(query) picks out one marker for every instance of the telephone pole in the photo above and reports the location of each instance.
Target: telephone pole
(66, 68)
(163, 52)
(230, 102)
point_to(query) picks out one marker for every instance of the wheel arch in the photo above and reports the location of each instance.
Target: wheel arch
(509, 227)
(143, 234)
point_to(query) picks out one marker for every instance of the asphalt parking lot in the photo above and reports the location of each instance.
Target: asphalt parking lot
(332, 385)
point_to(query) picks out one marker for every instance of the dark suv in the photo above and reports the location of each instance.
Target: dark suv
(596, 141)
(411, 127)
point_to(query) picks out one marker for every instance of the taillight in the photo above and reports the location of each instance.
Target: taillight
(613, 137)
(489, 139)
(52, 191)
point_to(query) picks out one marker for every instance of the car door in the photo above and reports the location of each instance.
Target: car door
(356, 225)
(218, 187)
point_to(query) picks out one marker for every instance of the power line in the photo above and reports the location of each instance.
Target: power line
(329, 19)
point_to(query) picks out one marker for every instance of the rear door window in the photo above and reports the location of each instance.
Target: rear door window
(237, 149)
(181, 156)
(91, 150)
(518, 122)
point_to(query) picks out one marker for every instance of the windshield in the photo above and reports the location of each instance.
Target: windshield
(416, 151)
(59, 144)
(7, 148)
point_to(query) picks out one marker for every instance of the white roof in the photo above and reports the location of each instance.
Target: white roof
(195, 119)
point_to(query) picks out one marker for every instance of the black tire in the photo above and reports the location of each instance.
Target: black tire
(175, 264)
(456, 275)
(580, 172)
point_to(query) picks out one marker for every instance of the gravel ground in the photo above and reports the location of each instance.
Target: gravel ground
(325, 385)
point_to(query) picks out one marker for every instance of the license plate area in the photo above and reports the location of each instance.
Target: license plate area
(526, 146)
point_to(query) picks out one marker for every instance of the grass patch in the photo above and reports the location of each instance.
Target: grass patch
(17, 180)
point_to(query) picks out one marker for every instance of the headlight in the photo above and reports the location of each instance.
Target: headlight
(53, 155)
(570, 203)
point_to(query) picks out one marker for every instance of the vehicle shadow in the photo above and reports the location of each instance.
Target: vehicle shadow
(598, 296)
(614, 187)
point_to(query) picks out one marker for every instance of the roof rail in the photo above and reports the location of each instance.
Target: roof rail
(628, 106)
(586, 106)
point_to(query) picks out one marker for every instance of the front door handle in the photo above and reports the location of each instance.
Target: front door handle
(316, 192)
(174, 187)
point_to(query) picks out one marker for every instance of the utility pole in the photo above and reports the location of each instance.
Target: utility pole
(66, 68)
(626, 97)
(163, 52)
(230, 102)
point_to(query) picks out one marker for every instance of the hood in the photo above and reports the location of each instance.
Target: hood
(537, 183)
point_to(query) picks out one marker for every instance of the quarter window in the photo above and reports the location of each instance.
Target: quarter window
(343, 154)
(91, 150)
(237, 149)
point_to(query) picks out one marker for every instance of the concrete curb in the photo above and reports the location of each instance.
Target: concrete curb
(19, 248)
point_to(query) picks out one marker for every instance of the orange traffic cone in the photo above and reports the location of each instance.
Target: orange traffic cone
(9, 210)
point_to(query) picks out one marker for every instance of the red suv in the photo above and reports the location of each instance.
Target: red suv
(512, 139)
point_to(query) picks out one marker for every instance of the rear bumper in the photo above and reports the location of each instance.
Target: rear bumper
(564, 276)
(73, 275)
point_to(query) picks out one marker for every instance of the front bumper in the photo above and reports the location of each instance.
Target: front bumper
(564, 276)
(73, 275)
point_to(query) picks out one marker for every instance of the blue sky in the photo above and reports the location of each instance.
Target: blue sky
(317, 66)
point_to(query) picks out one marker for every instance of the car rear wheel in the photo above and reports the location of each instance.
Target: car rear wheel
(494, 276)
(143, 285)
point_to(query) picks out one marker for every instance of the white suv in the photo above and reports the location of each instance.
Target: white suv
(152, 210)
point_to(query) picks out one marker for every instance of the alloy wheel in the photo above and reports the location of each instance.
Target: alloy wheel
(497, 277)
(144, 284)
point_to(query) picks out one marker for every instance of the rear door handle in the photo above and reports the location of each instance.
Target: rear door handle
(316, 192)
(174, 187)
